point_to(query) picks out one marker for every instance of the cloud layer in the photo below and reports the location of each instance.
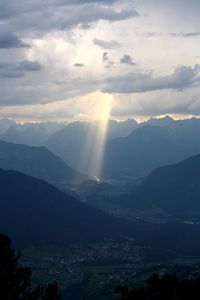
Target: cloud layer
(60, 50)
(181, 78)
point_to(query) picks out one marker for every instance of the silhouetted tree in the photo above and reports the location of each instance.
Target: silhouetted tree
(167, 287)
(15, 280)
(52, 292)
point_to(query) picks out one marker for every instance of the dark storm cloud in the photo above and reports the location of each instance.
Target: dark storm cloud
(68, 2)
(105, 56)
(106, 44)
(26, 65)
(152, 34)
(8, 72)
(10, 8)
(174, 34)
(42, 90)
(185, 34)
(108, 63)
(39, 17)
(11, 70)
(78, 65)
(175, 7)
(10, 40)
(81, 15)
(137, 82)
(126, 59)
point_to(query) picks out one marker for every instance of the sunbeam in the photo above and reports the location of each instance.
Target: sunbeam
(97, 133)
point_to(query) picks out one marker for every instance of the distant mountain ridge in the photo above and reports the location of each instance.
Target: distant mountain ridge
(5, 124)
(149, 147)
(132, 150)
(71, 142)
(68, 140)
(38, 162)
(31, 134)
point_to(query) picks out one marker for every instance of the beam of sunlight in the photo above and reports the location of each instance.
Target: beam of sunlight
(97, 134)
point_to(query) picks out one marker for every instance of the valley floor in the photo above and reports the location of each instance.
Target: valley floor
(93, 270)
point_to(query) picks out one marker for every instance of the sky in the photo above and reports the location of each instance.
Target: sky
(60, 58)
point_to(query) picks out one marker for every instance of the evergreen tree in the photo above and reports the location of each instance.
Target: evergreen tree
(52, 292)
(15, 280)
(167, 287)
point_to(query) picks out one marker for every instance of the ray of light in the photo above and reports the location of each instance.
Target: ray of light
(97, 133)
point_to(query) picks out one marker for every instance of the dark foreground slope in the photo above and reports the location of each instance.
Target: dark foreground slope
(36, 161)
(33, 211)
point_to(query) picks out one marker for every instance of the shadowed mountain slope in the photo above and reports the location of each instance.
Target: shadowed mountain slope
(33, 211)
(174, 188)
(171, 191)
(36, 161)
(150, 147)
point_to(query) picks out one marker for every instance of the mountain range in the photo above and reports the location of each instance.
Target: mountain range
(32, 134)
(38, 162)
(69, 141)
(150, 147)
(132, 150)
